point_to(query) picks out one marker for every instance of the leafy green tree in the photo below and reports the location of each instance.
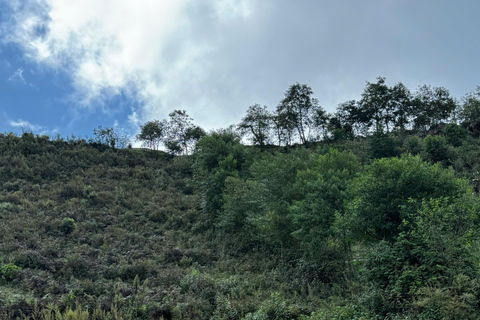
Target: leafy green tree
(382, 145)
(152, 133)
(193, 135)
(374, 105)
(297, 112)
(322, 190)
(470, 112)
(345, 122)
(321, 121)
(402, 104)
(455, 134)
(219, 155)
(257, 124)
(436, 148)
(387, 185)
(173, 147)
(432, 105)
(274, 175)
(384, 106)
(414, 145)
(68, 225)
(182, 134)
(433, 251)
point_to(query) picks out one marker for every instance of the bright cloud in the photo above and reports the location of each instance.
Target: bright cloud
(26, 125)
(147, 49)
(214, 58)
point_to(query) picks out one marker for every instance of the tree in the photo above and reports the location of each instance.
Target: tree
(432, 105)
(193, 135)
(321, 121)
(385, 106)
(297, 111)
(182, 134)
(436, 148)
(470, 112)
(219, 155)
(322, 192)
(383, 191)
(283, 129)
(382, 145)
(401, 99)
(257, 124)
(109, 137)
(375, 105)
(152, 133)
(344, 122)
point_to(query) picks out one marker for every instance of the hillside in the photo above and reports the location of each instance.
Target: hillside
(233, 232)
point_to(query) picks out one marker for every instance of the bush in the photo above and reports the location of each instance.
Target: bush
(382, 145)
(385, 187)
(436, 148)
(274, 308)
(414, 145)
(9, 271)
(455, 134)
(67, 225)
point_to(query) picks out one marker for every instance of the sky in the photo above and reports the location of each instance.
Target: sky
(68, 66)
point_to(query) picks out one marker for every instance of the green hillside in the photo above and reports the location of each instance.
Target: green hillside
(375, 217)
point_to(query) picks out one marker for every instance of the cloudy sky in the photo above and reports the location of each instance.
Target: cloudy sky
(67, 66)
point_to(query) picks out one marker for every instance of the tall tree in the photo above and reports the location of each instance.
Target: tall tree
(348, 118)
(257, 123)
(152, 133)
(401, 99)
(432, 105)
(470, 112)
(296, 111)
(382, 106)
(374, 105)
(182, 133)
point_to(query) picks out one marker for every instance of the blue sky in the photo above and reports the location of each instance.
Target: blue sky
(68, 66)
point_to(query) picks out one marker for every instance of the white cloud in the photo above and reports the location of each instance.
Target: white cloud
(26, 125)
(146, 49)
(106, 46)
(17, 76)
(156, 52)
(214, 58)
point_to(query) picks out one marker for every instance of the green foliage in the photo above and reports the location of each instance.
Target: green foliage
(182, 135)
(108, 136)
(152, 133)
(387, 184)
(239, 202)
(9, 271)
(432, 105)
(436, 148)
(67, 225)
(257, 125)
(382, 145)
(431, 265)
(219, 155)
(273, 309)
(322, 190)
(348, 312)
(148, 235)
(297, 115)
(274, 175)
(470, 112)
(414, 145)
(455, 134)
